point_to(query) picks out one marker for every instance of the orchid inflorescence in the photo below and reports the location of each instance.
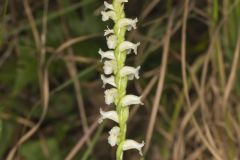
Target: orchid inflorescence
(117, 76)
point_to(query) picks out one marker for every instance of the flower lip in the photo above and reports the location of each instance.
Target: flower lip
(131, 100)
(112, 115)
(131, 144)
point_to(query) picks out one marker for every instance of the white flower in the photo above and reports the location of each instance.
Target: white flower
(112, 115)
(108, 31)
(131, 72)
(126, 45)
(108, 80)
(122, 1)
(108, 6)
(131, 99)
(106, 15)
(109, 66)
(107, 54)
(112, 41)
(113, 136)
(127, 22)
(131, 144)
(110, 95)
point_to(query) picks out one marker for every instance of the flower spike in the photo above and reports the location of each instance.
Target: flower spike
(118, 75)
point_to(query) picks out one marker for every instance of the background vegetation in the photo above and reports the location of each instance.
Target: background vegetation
(50, 90)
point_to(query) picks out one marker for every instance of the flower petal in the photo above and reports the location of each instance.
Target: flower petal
(131, 72)
(128, 46)
(131, 144)
(130, 100)
(127, 22)
(112, 41)
(107, 54)
(110, 95)
(122, 1)
(106, 15)
(109, 66)
(113, 135)
(108, 80)
(112, 115)
(108, 31)
(108, 6)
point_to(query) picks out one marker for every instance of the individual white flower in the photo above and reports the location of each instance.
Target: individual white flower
(127, 46)
(112, 41)
(112, 115)
(108, 80)
(110, 95)
(122, 1)
(127, 22)
(130, 100)
(108, 6)
(131, 144)
(106, 15)
(107, 54)
(108, 31)
(131, 72)
(113, 135)
(109, 66)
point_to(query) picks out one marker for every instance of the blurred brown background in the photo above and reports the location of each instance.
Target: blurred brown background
(51, 93)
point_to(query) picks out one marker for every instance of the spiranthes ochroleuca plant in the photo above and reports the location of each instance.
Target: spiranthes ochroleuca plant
(117, 76)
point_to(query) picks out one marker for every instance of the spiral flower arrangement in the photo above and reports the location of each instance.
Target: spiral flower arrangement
(117, 76)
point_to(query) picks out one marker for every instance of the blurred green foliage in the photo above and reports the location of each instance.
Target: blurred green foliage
(67, 19)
